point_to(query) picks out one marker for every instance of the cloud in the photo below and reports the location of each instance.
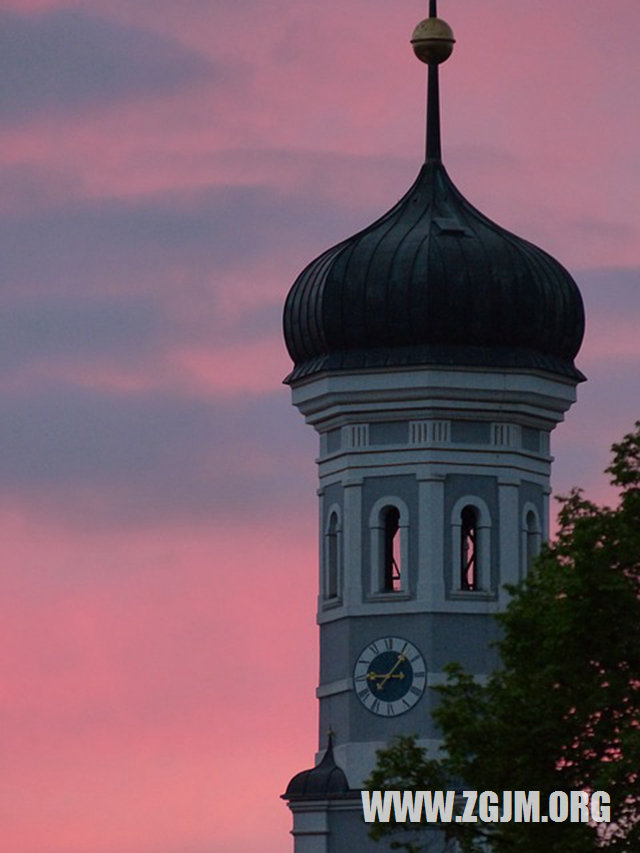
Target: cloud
(65, 60)
(71, 245)
(79, 327)
(612, 296)
(29, 187)
(99, 459)
(178, 293)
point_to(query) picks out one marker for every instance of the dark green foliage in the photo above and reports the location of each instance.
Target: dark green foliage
(562, 711)
(404, 767)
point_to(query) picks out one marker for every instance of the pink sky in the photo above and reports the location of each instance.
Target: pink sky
(166, 170)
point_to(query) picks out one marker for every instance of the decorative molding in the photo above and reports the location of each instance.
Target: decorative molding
(425, 433)
(355, 436)
(388, 605)
(332, 688)
(505, 435)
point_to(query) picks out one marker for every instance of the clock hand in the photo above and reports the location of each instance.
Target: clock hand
(401, 659)
(374, 676)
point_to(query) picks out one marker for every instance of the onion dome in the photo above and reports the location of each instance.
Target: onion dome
(434, 281)
(325, 781)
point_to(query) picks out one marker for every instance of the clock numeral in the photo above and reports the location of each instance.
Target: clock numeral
(406, 704)
(376, 706)
(364, 693)
(373, 648)
(404, 648)
(416, 691)
(390, 710)
(388, 643)
(361, 677)
(419, 674)
(417, 657)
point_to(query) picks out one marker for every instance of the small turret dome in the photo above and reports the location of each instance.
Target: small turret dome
(324, 781)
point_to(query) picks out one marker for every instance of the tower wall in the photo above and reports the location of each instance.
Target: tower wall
(430, 442)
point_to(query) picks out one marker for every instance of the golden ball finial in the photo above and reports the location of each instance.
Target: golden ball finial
(432, 41)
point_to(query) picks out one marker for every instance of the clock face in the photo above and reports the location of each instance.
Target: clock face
(389, 676)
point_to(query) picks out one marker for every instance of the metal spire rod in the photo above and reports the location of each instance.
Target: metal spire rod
(434, 145)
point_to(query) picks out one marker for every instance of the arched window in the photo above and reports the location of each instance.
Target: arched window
(389, 544)
(469, 548)
(392, 550)
(532, 538)
(332, 556)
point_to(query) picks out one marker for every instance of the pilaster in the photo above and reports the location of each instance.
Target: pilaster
(431, 579)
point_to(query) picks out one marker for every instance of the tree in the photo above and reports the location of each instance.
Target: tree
(562, 711)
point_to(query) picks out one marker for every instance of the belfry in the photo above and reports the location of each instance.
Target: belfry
(433, 352)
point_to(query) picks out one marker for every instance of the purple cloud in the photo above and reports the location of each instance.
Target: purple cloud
(65, 60)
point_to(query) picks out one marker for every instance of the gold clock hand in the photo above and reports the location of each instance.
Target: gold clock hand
(401, 659)
(398, 675)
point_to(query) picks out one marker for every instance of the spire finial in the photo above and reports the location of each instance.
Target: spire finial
(432, 42)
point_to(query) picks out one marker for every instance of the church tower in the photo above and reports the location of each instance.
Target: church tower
(433, 354)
